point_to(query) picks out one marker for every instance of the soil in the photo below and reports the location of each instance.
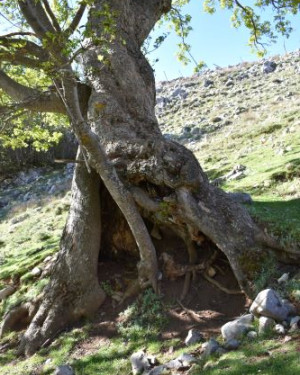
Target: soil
(205, 308)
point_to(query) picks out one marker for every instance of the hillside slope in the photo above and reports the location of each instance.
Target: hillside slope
(243, 124)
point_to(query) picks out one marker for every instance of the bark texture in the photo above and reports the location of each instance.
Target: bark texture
(140, 168)
(74, 291)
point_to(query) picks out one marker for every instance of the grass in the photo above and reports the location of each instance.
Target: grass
(265, 138)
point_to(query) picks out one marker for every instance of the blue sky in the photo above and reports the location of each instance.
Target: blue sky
(214, 41)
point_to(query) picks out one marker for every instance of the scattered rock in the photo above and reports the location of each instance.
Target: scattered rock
(283, 279)
(158, 370)
(6, 292)
(207, 83)
(232, 344)
(193, 337)
(181, 362)
(269, 67)
(236, 328)
(209, 348)
(265, 324)
(252, 335)
(141, 362)
(243, 198)
(269, 304)
(36, 271)
(64, 370)
(279, 328)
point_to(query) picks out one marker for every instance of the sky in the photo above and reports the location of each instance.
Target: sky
(214, 41)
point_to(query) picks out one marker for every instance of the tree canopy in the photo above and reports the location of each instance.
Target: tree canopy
(29, 63)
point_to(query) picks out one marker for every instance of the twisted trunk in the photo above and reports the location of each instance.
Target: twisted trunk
(140, 168)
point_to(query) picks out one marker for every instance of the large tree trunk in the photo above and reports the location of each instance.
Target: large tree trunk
(164, 179)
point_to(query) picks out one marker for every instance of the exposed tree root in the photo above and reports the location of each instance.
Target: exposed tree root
(221, 287)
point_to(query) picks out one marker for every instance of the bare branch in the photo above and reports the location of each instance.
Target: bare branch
(51, 15)
(18, 33)
(76, 20)
(36, 17)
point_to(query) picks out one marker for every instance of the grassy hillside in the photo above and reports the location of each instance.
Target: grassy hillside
(233, 119)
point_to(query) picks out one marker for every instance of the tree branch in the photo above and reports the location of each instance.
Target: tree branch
(51, 15)
(36, 17)
(75, 22)
(16, 51)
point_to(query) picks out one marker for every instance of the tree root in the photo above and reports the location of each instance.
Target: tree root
(221, 287)
(19, 317)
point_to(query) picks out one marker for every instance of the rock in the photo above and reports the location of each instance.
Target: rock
(193, 337)
(236, 328)
(19, 219)
(295, 320)
(279, 328)
(269, 304)
(269, 67)
(181, 362)
(158, 370)
(64, 370)
(6, 292)
(252, 335)
(241, 197)
(265, 324)
(36, 271)
(208, 82)
(229, 83)
(289, 306)
(216, 119)
(141, 362)
(211, 272)
(209, 348)
(284, 278)
(179, 92)
(162, 102)
(232, 344)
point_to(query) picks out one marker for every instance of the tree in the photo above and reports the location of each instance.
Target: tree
(124, 162)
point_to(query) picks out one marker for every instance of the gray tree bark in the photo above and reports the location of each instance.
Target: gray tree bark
(139, 168)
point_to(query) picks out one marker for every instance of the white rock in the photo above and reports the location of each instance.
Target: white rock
(252, 335)
(283, 279)
(236, 328)
(36, 271)
(265, 324)
(193, 337)
(269, 304)
(295, 320)
(279, 328)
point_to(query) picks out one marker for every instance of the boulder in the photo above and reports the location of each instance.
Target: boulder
(209, 347)
(237, 328)
(265, 324)
(279, 328)
(240, 197)
(181, 362)
(232, 344)
(269, 304)
(252, 335)
(193, 337)
(141, 362)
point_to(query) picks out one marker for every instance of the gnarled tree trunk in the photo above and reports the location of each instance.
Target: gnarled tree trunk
(160, 177)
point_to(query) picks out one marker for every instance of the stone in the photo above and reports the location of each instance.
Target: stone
(193, 337)
(6, 292)
(232, 344)
(269, 67)
(140, 362)
(158, 370)
(240, 197)
(269, 304)
(279, 328)
(208, 82)
(179, 92)
(36, 271)
(289, 306)
(283, 278)
(237, 328)
(209, 347)
(64, 370)
(295, 320)
(265, 324)
(252, 335)
(181, 362)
